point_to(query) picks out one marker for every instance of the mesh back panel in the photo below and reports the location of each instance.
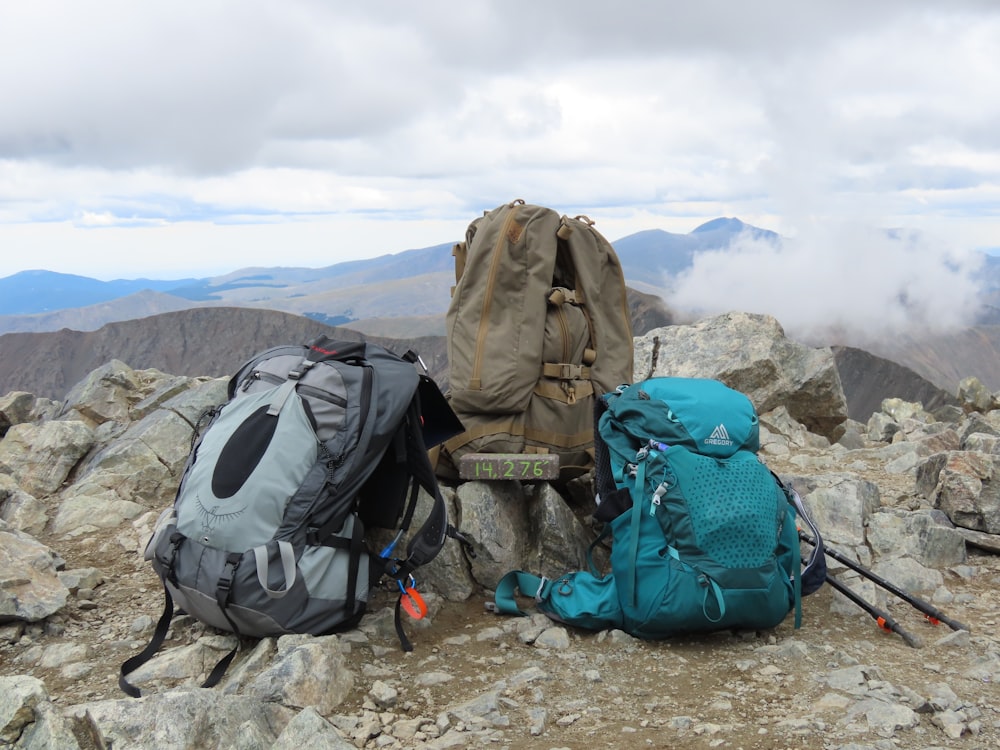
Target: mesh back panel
(733, 509)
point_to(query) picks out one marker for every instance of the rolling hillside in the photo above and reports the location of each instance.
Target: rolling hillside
(206, 341)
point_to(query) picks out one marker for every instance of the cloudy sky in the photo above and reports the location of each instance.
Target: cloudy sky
(195, 138)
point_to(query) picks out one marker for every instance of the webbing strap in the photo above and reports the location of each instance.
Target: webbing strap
(711, 585)
(506, 426)
(519, 580)
(223, 592)
(559, 440)
(605, 532)
(280, 397)
(565, 371)
(159, 635)
(633, 553)
(556, 392)
(397, 620)
(511, 426)
(288, 568)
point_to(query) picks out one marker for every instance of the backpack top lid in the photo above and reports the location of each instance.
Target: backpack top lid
(701, 414)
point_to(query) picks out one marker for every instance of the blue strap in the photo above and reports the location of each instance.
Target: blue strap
(633, 554)
(518, 580)
(719, 598)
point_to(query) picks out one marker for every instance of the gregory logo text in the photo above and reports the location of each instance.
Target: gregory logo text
(719, 436)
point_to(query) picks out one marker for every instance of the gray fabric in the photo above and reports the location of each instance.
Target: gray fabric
(280, 397)
(307, 475)
(324, 569)
(287, 569)
(253, 515)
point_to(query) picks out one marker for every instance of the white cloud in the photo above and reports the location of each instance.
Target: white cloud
(839, 279)
(214, 135)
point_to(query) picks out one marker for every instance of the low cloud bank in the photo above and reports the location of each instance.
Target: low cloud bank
(843, 282)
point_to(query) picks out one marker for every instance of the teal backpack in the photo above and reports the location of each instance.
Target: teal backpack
(704, 536)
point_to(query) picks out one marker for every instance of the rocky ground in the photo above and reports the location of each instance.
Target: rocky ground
(87, 487)
(476, 679)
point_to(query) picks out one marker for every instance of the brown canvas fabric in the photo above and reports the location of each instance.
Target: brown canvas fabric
(538, 326)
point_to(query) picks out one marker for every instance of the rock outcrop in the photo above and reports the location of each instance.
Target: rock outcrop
(910, 494)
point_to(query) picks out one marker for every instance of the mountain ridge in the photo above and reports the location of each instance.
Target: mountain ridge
(198, 342)
(651, 248)
(406, 295)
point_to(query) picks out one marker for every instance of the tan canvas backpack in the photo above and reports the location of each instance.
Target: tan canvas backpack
(537, 326)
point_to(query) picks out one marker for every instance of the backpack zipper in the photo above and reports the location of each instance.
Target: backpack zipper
(303, 389)
(563, 332)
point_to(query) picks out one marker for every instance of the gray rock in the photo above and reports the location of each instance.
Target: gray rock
(885, 719)
(908, 574)
(925, 535)
(104, 395)
(310, 730)
(840, 504)
(183, 719)
(385, 696)
(751, 354)
(188, 664)
(308, 671)
(882, 427)
(554, 637)
(142, 466)
(20, 697)
(30, 588)
(40, 456)
(495, 515)
(16, 407)
(20, 509)
(974, 396)
(964, 485)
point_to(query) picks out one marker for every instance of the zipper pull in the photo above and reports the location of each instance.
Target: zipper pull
(655, 501)
(248, 381)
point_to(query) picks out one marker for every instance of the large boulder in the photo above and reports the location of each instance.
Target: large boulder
(751, 354)
(30, 589)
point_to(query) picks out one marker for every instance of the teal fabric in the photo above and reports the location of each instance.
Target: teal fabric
(710, 540)
(701, 414)
(706, 560)
(580, 598)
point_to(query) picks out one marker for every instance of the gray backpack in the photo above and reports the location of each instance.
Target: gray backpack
(267, 533)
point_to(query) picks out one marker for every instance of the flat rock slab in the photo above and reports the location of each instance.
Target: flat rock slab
(980, 539)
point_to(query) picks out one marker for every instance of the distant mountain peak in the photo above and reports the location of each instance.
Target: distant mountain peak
(726, 224)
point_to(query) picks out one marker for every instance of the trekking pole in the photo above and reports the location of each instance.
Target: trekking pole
(882, 619)
(932, 613)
